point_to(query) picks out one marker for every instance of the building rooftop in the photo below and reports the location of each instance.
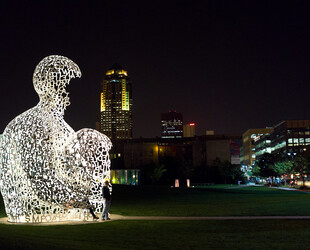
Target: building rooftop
(116, 70)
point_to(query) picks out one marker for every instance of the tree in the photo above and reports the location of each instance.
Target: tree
(204, 174)
(229, 171)
(272, 165)
(265, 165)
(225, 169)
(236, 173)
(283, 167)
(178, 167)
(158, 172)
(301, 166)
(255, 171)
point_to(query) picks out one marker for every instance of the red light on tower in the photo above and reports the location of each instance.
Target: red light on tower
(192, 124)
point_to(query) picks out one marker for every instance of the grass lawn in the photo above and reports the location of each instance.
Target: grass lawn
(243, 234)
(269, 234)
(210, 201)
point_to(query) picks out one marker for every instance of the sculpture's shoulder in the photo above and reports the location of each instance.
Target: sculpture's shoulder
(16, 132)
(22, 122)
(26, 125)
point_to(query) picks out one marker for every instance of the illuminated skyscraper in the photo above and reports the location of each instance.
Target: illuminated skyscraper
(116, 104)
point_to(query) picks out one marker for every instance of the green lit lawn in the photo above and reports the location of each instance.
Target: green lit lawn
(219, 201)
(208, 201)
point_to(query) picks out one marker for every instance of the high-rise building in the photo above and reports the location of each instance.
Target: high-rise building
(171, 125)
(189, 130)
(116, 104)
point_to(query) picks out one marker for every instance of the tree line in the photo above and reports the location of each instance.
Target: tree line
(170, 168)
(276, 165)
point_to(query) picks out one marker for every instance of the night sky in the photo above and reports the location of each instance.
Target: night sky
(226, 65)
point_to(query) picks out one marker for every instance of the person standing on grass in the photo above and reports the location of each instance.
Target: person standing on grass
(107, 201)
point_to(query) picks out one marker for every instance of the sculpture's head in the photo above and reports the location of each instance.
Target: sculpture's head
(50, 78)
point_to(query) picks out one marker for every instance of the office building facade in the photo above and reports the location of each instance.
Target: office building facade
(248, 144)
(291, 137)
(116, 104)
(171, 125)
(262, 145)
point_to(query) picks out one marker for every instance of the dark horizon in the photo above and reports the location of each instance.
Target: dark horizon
(226, 65)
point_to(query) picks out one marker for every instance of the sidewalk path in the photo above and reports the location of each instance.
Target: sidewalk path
(259, 185)
(115, 217)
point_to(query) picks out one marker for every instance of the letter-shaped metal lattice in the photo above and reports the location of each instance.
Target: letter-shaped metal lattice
(44, 163)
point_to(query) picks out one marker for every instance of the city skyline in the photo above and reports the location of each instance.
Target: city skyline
(227, 66)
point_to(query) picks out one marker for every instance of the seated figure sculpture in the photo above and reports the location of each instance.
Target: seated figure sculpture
(44, 163)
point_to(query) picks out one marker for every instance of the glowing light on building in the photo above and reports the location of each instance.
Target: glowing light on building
(125, 96)
(44, 163)
(110, 72)
(102, 102)
(188, 183)
(176, 183)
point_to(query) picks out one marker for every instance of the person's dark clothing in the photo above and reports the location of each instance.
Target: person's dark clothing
(106, 193)
(92, 213)
(90, 207)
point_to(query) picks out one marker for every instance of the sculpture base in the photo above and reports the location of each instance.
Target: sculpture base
(74, 214)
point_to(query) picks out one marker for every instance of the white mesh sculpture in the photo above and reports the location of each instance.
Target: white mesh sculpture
(44, 163)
